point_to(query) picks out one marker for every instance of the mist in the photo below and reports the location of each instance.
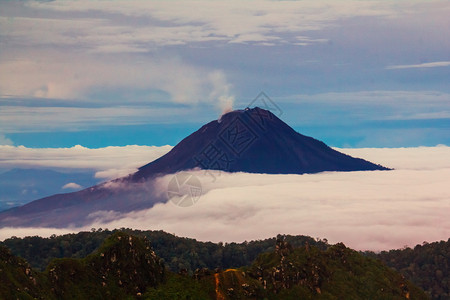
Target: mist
(367, 210)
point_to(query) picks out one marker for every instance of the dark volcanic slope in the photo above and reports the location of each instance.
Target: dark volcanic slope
(254, 141)
(251, 140)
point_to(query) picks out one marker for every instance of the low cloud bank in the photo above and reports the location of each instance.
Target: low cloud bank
(417, 158)
(376, 210)
(108, 163)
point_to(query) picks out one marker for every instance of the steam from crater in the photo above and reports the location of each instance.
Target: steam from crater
(221, 92)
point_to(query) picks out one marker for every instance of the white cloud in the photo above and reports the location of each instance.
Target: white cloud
(422, 116)
(424, 65)
(68, 49)
(68, 75)
(182, 22)
(221, 92)
(39, 119)
(374, 105)
(107, 161)
(419, 158)
(114, 173)
(61, 76)
(72, 186)
(366, 210)
(398, 97)
(4, 140)
(90, 79)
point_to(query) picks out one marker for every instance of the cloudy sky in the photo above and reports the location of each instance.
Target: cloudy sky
(108, 86)
(116, 73)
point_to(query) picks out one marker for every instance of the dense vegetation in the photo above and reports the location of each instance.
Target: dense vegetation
(126, 267)
(294, 273)
(18, 280)
(123, 266)
(426, 265)
(337, 273)
(178, 253)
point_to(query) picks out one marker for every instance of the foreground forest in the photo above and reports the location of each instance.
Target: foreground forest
(262, 267)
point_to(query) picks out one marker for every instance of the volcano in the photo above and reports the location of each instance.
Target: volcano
(251, 140)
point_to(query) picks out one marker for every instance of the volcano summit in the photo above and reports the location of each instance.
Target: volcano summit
(250, 140)
(253, 141)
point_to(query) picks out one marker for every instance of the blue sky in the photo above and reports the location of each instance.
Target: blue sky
(351, 73)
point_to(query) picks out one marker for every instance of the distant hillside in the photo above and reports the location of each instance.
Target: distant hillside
(126, 267)
(20, 186)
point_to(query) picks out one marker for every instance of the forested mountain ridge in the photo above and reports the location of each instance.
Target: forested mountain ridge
(126, 267)
(178, 252)
(123, 266)
(426, 265)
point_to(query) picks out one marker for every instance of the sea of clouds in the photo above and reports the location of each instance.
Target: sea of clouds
(371, 210)
(107, 163)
